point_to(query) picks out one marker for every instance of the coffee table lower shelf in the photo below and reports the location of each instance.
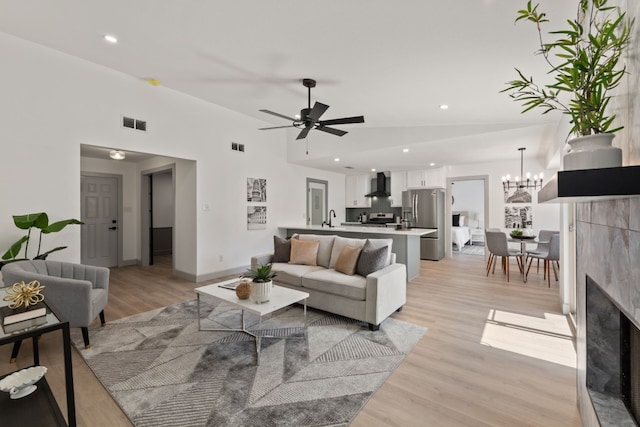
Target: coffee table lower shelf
(39, 408)
(281, 297)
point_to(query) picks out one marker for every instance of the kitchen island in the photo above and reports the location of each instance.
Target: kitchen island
(406, 243)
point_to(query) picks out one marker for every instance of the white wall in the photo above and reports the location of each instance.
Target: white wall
(163, 204)
(52, 103)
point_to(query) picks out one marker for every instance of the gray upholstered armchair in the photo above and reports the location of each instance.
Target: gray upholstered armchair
(79, 292)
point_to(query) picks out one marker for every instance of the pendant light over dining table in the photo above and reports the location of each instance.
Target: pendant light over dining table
(523, 181)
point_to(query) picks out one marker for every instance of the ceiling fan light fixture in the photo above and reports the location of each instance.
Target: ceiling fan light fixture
(117, 154)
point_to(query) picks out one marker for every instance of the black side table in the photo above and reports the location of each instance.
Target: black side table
(41, 404)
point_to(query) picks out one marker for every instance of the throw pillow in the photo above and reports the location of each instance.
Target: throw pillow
(282, 249)
(461, 220)
(348, 259)
(304, 252)
(455, 220)
(372, 259)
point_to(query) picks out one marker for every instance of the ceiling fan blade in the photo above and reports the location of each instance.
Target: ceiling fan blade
(303, 133)
(342, 121)
(276, 127)
(278, 115)
(317, 110)
(333, 131)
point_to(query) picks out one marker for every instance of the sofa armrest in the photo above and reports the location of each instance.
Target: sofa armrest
(386, 292)
(261, 259)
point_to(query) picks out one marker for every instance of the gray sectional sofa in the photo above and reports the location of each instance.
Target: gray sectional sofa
(370, 299)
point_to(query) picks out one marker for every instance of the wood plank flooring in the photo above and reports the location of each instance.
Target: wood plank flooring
(495, 354)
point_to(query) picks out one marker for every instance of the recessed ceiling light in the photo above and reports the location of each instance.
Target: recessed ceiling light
(443, 106)
(117, 154)
(432, 164)
(336, 159)
(373, 169)
(110, 38)
(405, 150)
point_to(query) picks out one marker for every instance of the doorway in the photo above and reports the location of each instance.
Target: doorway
(158, 215)
(317, 201)
(469, 200)
(100, 210)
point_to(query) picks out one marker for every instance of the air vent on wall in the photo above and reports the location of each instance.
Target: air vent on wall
(237, 147)
(131, 123)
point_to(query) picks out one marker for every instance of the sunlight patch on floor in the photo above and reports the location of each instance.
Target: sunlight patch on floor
(547, 338)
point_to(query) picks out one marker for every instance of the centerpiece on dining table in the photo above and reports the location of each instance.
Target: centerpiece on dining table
(525, 233)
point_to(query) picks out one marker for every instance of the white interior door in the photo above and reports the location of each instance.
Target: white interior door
(316, 202)
(99, 212)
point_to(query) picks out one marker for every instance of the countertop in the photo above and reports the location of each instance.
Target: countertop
(370, 230)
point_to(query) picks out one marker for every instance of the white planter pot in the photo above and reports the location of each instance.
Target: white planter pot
(592, 152)
(260, 292)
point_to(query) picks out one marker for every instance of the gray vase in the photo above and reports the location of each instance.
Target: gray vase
(592, 152)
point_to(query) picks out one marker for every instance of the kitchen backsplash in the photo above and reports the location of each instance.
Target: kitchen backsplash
(378, 204)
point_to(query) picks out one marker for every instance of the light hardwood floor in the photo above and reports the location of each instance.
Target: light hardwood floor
(495, 354)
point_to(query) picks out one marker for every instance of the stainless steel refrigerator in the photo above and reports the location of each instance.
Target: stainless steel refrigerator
(424, 208)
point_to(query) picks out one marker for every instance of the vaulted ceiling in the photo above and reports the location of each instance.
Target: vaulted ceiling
(395, 62)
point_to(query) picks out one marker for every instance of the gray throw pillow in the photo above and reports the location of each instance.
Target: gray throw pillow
(372, 259)
(281, 249)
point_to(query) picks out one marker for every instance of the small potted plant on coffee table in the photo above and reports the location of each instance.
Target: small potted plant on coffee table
(261, 282)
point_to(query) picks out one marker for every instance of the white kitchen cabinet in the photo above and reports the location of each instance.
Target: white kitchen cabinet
(356, 187)
(435, 177)
(416, 179)
(426, 178)
(398, 185)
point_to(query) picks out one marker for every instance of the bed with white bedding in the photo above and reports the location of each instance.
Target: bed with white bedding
(460, 233)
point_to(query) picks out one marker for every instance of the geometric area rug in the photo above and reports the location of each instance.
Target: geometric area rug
(162, 371)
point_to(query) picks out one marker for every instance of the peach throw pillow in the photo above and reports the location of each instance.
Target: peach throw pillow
(348, 259)
(304, 252)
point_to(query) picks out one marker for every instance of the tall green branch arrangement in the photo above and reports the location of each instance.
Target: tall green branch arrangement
(585, 62)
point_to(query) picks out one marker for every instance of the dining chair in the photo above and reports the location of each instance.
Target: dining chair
(498, 246)
(551, 258)
(542, 249)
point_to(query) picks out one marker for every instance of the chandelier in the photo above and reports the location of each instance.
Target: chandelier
(523, 181)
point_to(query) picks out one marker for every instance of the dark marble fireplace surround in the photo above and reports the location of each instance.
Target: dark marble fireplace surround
(608, 252)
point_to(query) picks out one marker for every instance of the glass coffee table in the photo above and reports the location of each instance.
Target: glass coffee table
(280, 297)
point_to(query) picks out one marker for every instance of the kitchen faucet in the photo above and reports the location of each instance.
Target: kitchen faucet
(334, 215)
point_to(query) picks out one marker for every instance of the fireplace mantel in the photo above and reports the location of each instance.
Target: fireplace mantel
(591, 184)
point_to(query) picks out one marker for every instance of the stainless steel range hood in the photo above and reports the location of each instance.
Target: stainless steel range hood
(591, 184)
(381, 186)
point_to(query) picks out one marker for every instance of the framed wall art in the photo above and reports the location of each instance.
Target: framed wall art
(518, 216)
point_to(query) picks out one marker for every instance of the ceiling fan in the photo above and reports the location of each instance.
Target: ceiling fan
(310, 117)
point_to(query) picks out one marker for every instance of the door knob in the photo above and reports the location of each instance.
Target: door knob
(113, 228)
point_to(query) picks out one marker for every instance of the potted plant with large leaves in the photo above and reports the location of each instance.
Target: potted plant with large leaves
(38, 221)
(261, 283)
(586, 64)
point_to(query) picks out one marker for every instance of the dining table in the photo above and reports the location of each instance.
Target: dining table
(523, 240)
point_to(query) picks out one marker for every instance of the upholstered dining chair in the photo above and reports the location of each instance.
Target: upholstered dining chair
(542, 249)
(497, 245)
(551, 258)
(80, 292)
